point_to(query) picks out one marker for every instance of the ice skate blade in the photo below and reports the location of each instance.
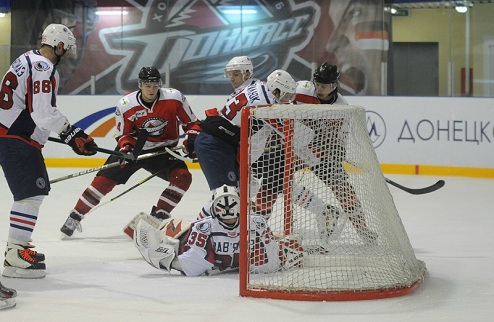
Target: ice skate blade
(17, 272)
(7, 303)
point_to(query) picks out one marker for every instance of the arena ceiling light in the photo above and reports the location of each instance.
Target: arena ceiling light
(461, 7)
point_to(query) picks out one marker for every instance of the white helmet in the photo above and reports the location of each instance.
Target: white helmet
(226, 203)
(283, 81)
(241, 63)
(55, 33)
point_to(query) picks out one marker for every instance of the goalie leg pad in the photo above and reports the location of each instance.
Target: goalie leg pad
(157, 249)
(291, 253)
(131, 226)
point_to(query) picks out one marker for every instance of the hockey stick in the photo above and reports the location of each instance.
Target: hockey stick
(419, 191)
(128, 190)
(180, 157)
(413, 191)
(110, 165)
(141, 140)
(112, 152)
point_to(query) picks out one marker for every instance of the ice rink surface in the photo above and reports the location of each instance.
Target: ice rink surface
(100, 275)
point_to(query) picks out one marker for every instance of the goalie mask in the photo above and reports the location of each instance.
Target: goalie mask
(226, 203)
(283, 82)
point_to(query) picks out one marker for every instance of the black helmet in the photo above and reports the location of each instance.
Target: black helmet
(326, 74)
(149, 74)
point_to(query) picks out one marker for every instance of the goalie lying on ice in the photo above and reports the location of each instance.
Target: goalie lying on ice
(211, 245)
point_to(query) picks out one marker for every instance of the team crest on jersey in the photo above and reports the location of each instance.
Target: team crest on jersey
(40, 183)
(259, 223)
(204, 227)
(41, 66)
(155, 126)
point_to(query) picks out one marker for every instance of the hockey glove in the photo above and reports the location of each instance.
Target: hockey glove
(190, 138)
(126, 149)
(79, 141)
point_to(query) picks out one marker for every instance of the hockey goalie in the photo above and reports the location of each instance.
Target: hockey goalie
(211, 245)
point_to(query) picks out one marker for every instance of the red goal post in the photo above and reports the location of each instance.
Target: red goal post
(331, 198)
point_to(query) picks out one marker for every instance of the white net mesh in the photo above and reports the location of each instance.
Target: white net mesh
(315, 174)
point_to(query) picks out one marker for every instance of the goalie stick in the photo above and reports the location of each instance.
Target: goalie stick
(418, 191)
(110, 165)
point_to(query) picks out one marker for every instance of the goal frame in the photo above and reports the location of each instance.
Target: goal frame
(244, 275)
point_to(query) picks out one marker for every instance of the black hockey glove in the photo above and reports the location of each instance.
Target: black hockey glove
(189, 143)
(79, 141)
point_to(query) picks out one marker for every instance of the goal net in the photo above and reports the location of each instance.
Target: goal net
(312, 170)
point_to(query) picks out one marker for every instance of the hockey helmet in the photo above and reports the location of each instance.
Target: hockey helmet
(149, 74)
(326, 74)
(226, 203)
(55, 33)
(240, 63)
(282, 81)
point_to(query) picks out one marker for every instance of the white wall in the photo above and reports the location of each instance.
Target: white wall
(449, 132)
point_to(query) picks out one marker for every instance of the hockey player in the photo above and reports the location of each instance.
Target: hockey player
(159, 111)
(269, 168)
(211, 245)
(217, 145)
(324, 90)
(28, 114)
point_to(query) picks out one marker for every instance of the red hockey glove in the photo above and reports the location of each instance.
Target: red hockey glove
(79, 141)
(126, 149)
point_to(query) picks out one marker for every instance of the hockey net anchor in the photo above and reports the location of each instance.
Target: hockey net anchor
(355, 245)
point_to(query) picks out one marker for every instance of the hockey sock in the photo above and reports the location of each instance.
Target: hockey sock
(180, 180)
(23, 217)
(91, 197)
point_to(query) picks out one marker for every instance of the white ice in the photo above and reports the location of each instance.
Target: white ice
(100, 276)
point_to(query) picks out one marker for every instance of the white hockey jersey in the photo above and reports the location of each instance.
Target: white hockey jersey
(212, 246)
(28, 100)
(254, 94)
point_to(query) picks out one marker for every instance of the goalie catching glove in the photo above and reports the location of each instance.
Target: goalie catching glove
(79, 141)
(190, 138)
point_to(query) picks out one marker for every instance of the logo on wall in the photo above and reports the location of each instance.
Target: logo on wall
(376, 128)
(193, 40)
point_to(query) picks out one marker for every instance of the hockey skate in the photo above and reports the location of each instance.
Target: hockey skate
(21, 261)
(72, 224)
(7, 296)
(160, 213)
